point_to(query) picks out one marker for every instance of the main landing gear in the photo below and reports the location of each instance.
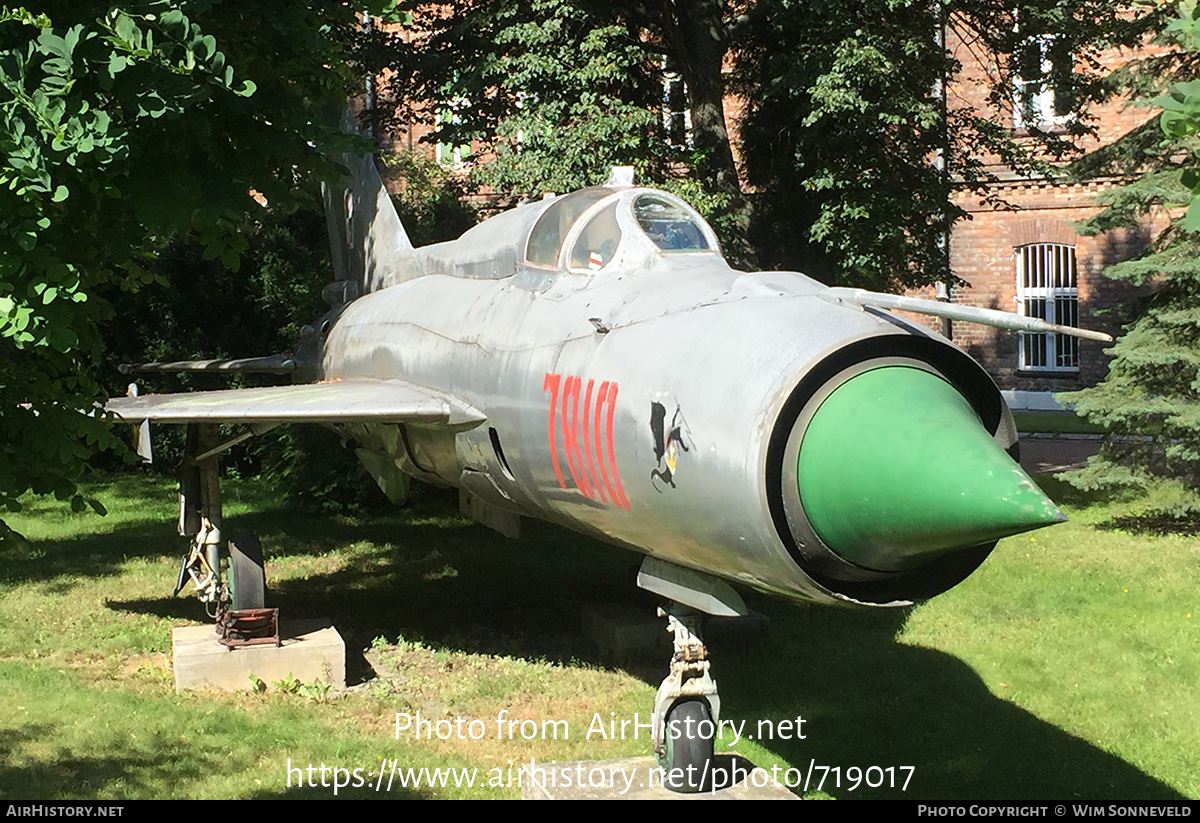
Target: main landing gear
(229, 576)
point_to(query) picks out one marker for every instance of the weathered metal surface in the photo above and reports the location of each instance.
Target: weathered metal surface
(592, 360)
(248, 627)
(690, 588)
(365, 233)
(272, 364)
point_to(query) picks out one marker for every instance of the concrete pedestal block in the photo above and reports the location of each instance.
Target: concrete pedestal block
(624, 632)
(312, 651)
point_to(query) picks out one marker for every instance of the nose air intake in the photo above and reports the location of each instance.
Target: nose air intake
(895, 470)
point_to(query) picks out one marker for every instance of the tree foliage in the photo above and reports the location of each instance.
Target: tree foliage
(842, 141)
(841, 119)
(1149, 403)
(856, 150)
(122, 126)
(555, 92)
(433, 203)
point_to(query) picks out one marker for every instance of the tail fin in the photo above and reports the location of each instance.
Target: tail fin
(365, 232)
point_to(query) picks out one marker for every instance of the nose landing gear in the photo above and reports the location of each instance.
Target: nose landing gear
(686, 708)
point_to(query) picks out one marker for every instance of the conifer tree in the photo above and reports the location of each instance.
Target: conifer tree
(1149, 404)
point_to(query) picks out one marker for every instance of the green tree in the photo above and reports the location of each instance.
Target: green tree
(852, 145)
(1149, 403)
(122, 127)
(557, 92)
(842, 122)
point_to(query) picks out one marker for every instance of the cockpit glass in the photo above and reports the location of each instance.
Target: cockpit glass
(598, 241)
(669, 225)
(546, 238)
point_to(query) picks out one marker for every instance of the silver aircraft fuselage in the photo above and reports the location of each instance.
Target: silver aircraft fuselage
(593, 361)
(651, 397)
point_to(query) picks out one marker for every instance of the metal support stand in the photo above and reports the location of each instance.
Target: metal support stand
(248, 627)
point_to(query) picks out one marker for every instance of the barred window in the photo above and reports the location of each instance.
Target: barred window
(1047, 289)
(452, 156)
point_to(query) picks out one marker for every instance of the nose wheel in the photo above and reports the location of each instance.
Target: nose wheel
(688, 747)
(686, 707)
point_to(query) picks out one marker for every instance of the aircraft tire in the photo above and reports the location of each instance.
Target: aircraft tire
(247, 577)
(687, 762)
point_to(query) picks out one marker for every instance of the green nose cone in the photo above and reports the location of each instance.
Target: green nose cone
(895, 469)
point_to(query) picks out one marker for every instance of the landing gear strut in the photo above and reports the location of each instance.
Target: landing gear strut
(686, 708)
(234, 599)
(200, 516)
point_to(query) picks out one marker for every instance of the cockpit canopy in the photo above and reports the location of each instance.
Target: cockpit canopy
(588, 229)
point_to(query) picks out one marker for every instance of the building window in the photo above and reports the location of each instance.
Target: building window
(1042, 83)
(676, 116)
(1047, 289)
(449, 155)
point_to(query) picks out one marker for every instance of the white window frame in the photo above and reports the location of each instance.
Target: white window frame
(674, 120)
(1033, 97)
(1047, 288)
(451, 157)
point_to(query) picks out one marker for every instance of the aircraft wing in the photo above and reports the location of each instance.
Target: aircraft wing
(350, 401)
(274, 364)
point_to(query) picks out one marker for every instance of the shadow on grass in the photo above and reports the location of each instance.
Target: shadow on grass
(122, 771)
(101, 554)
(131, 770)
(128, 746)
(1063, 493)
(168, 608)
(1174, 519)
(87, 555)
(867, 700)
(870, 701)
(1158, 523)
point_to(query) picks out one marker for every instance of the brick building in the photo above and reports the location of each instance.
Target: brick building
(1028, 256)
(1025, 256)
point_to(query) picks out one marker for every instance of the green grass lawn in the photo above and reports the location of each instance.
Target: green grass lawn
(1054, 423)
(1068, 666)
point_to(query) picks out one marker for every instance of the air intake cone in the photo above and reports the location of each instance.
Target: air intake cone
(895, 469)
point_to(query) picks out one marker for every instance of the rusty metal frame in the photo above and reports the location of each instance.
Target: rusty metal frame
(248, 627)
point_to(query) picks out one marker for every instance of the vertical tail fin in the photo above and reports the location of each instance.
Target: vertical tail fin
(365, 231)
